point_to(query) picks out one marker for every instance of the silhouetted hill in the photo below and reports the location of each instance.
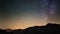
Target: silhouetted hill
(48, 29)
(19, 31)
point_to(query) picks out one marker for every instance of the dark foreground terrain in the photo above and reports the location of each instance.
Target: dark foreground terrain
(48, 29)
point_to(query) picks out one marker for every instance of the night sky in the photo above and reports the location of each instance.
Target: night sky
(15, 14)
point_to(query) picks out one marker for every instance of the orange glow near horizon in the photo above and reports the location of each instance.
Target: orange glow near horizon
(24, 22)
(17, 26)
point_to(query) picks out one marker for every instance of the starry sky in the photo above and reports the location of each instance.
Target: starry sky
(15, 14)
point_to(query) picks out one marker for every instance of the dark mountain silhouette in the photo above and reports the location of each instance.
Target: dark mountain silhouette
(18, 31)
(48, 29)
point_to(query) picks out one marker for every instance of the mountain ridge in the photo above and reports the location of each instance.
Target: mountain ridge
(47, 29)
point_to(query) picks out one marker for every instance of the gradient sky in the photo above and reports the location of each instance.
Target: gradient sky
(15, 14)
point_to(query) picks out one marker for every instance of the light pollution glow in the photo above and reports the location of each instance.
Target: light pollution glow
(24, 22)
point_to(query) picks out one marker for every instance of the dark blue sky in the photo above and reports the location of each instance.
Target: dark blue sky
(28, 12)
